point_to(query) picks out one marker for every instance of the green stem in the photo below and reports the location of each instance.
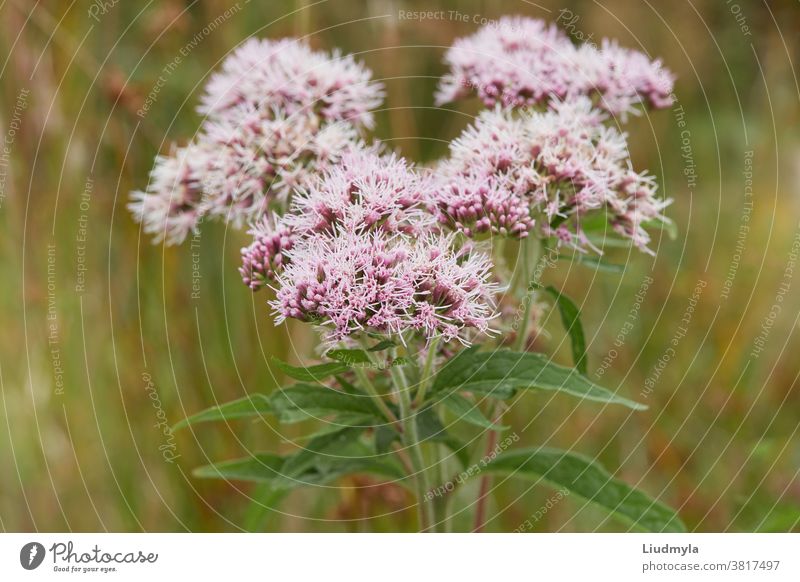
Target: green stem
(379, 401)
(411, 440)
(425, 379)
(529, 259)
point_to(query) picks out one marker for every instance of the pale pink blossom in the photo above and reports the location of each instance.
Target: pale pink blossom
(277, 115)
(169, 209)
(521, 62)
(287, 75)
(358, 282)
(550, 169)
(364, 191)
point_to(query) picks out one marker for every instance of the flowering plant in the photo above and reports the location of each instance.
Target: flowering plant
(403, 269)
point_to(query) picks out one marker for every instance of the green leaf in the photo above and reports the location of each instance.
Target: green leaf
(571, 319)
(431, 428)
(383, 345)
(468, 412)
(590, 481)
(303, 401)
(331, 445)
(312, 373)
(350, 357)
(260, 467)
(267, 468)
(596, 263)
(249, 406)
(264, 501)
(502, 372)
(384, 436)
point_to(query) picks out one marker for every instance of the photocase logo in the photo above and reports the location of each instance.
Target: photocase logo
(31, 555)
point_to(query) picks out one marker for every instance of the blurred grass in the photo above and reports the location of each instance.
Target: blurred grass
(719, 441)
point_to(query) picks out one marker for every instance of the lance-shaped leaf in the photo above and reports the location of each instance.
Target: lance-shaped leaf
(350, 357)
(303, 401)
(468, 412)
(571, 320)
(587, 479)
(267, 468)
(312, 373)
(325, 458)
(249, 406)
(260, 467)
(502, 372)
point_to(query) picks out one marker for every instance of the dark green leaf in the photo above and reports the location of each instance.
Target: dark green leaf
(468, 412)
(266, 468)
(350, 357)
(583, 477)
(385, 435)
(500, 373)
(249, 406)
(331, 445)
(264, 501)
(312, 373)
(383, 345)
(302, 401)
(571, 319)
(431, 428)
(260, 467)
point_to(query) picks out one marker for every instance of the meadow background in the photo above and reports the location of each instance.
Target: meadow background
(105, 336)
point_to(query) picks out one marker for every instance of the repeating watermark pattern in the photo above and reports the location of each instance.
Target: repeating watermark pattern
(569, 23)
(744, 226)
(168, 448)
(739, 16)
(449, 15)
(473, 469)
(53, 338)
(169, 69)
(197, 275)
(627, 326)
(100, 8)
(14, 125)
(669, 353)
(82, 236)
(777, 304)
(537, 515)
(687, 153)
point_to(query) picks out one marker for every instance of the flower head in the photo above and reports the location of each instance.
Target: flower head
(373, 281)
(266, 255)
(170, 206)
(287, 75)
(277, 114)
(508, 172)
(364, 191)
(520, 62)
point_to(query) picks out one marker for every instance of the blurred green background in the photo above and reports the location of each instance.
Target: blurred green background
(91, 310)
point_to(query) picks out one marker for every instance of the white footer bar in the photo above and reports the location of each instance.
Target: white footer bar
(400, 557)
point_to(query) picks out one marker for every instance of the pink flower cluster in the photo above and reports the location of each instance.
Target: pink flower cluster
(359, 251)
(277, 114)
(265, 256)
(521, 62)
(395, 284)
(548, 168)
(363, 192)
